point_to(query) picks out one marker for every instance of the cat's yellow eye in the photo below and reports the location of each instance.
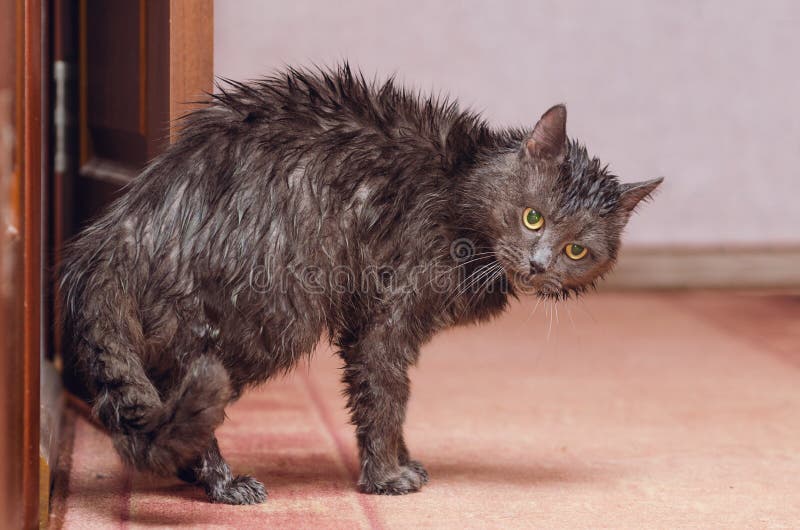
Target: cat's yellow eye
(576, 251)
(532, 219)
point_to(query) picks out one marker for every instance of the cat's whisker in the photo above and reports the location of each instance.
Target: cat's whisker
(489, 269)
(444, 273)
(494, 274)
(471, 280)
(585, 308)
(478, 277)
(481, 271)
(535, 307)
(492, 277)
(569, 313)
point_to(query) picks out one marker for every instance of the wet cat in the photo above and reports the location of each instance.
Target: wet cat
(310, 204)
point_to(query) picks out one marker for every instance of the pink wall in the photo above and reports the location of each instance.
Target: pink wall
(706, 93)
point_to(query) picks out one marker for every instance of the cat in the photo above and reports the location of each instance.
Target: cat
(315, 203)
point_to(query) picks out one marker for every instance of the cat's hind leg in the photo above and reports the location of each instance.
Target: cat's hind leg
(213, 474)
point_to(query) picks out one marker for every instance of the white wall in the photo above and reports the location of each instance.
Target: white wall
(705, 93)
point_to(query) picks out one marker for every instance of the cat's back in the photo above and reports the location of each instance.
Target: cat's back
(283, 152)
(338, 102)
(300, 155)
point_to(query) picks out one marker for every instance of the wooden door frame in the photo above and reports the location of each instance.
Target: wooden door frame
(22, 278)
(11, 270)
(172, 86)
(176, 41)
(33, 145)
(32, 97)
(25, 109)
(191, 55)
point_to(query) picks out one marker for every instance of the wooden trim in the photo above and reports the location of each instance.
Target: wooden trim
(191, 56)
(740, 267)
(62, 469)
(64, 23)
(109, 171)
(11, 388)
(52, 396)
(30, 135)
(158, 78)
(83, 87)
(143, 67)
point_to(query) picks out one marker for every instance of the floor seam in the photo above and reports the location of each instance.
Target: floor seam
(127, 494)
(363, 502)
(59, 497)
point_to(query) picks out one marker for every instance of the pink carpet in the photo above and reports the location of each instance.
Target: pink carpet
(629, 411)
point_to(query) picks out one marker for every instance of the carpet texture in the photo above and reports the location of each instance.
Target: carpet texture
(619, 411)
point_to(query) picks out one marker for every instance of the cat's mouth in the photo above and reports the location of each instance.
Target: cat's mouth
(553, 291)
(526, 282)
(538, 285)
(545, 286)
(541, 284)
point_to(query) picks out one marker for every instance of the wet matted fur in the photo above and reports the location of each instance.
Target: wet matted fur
(313, 204)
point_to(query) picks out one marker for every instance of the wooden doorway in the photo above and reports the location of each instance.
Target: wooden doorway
(23, 139)
(132, 68)
(85, 101)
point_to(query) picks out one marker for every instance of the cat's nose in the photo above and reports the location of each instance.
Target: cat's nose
(536, 267)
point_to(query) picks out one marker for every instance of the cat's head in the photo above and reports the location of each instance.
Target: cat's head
(558, 215)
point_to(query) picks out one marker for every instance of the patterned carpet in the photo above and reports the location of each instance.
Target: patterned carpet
(620, 411)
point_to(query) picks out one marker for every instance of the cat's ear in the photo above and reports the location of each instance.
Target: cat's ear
(633, 193)
(549, 138)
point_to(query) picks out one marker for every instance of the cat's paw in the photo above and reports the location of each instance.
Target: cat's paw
(405, 479)
(419, 469)
(241, 490)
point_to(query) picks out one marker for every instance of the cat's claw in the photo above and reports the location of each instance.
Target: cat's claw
(241, 490)
(405, 479)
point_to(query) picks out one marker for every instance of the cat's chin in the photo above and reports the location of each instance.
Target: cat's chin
(558, 293)
(553, 294)
(538, 286)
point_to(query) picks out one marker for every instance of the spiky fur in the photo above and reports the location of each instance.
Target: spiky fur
(214, 271)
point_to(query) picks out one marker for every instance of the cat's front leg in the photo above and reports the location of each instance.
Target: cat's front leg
(405, 460)
(376, 375)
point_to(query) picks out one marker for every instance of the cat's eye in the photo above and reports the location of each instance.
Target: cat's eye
(532, 219)
(576, 251)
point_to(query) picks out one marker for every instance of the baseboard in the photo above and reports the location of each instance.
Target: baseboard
(715, 268)
(50, 415)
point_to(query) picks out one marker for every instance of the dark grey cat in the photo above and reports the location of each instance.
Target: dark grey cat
(314, 203)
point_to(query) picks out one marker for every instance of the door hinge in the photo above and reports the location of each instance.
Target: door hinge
(61, 116)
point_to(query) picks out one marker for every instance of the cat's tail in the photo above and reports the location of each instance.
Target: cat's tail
(166, 435)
